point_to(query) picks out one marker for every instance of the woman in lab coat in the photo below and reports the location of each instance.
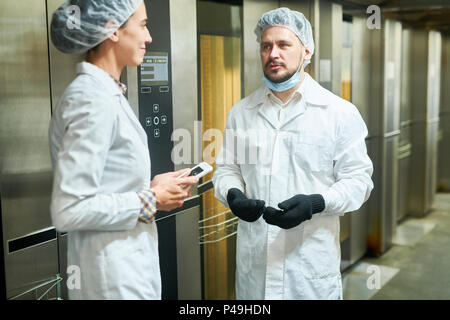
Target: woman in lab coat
(102, 194)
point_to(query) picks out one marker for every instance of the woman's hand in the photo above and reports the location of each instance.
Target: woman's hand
(170, 192)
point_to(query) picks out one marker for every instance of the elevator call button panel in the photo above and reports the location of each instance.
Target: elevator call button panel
(155, 101)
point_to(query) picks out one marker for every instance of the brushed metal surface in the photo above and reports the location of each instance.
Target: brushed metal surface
(425, 59)
(62, 258)
(130, 78)
(404, 154)
(404, 151)
(185, 73)
(405, 102)
(25, 168)
(418, 52)
(185, 115)
(443, 176)
(330, 43)
(385, 119)
(361, 74)
(27, 268)
(360, 97)
(188, 255)
(25, 202)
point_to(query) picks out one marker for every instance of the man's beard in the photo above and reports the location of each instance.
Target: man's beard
(286, 77)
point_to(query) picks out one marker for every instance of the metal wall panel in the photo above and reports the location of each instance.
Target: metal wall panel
(185, 113)
(25, 169)
(443, 175)
(385, 122)
(361, 68)
(425, 54)
(360, 92)
(418, 52)
(62, 254)
(404, 150)
(31, 268)
(433, 102)
(330, 44)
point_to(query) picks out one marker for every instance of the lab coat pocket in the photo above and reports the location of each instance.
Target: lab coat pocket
(132, 274)
(319, 254)
(313, 153)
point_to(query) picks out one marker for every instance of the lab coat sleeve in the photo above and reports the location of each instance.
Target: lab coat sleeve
(352, 166)
(77, 203)
(228, 172)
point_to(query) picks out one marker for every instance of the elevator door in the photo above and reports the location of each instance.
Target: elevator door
(30, 257)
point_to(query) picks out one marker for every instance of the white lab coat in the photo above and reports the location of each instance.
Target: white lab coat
(316, 144)
(100, 157)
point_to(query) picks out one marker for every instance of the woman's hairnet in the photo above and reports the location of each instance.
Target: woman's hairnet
(293, 20)
(79, 25)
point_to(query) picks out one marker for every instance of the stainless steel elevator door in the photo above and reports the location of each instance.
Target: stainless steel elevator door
(25, 169)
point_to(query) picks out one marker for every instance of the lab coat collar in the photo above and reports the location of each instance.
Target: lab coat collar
(98, 73)
(312, 93)
(293, 108)
(112, 88)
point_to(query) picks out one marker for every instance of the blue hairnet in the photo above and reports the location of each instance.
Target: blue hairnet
(293, 20)
(79, 25)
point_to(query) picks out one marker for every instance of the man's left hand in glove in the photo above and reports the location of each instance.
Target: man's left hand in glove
(295, 210)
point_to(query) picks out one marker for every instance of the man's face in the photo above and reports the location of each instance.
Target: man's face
(281, 53)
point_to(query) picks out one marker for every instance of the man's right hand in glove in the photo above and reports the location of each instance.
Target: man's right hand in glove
(246, 209)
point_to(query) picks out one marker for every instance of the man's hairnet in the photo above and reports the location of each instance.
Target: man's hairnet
(79, 25)
(293, 20)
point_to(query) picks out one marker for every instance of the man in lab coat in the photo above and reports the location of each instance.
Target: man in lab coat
(293, 160)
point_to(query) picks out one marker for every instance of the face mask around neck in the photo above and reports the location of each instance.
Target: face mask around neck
(285, 85)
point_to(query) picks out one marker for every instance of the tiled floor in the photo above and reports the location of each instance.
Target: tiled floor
(417, 266)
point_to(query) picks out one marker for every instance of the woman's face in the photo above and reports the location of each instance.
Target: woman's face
(133, 38)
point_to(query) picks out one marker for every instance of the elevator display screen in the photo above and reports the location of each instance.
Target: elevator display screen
(155, 69)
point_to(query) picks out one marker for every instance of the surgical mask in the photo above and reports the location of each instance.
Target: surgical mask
(285, 85)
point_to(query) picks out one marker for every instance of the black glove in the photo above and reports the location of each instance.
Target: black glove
(246, 209)
(295, 210)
